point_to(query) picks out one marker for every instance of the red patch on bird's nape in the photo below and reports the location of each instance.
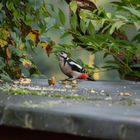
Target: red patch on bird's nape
(83, 76)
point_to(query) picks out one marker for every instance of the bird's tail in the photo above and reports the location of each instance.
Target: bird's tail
(90, 79)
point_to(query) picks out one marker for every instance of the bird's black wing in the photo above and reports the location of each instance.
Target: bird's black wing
(75, 66)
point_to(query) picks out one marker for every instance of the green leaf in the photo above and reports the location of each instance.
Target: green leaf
(105, 55)
(11, 62)
(74, 22)
(2, 64)
(73, 6)
(61, 16)
(137, 25)
(112, 62)
(82, 26)
(108, 15)
(91, 28)
(5, 77)
(106, 28)
(118, 3)
(107, 67)
(121, 17)
(67, 46)
(51, 6)
(1, 6)
(136, 38)
(133, 11)
(64, 35)
(10, 5)
(116, 25)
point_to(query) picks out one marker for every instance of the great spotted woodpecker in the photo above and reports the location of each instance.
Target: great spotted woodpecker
(70, 68)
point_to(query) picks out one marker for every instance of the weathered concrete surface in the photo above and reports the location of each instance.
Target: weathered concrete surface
(111, 111)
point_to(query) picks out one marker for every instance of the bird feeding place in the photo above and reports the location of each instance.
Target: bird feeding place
(70, 68)
(79, 108)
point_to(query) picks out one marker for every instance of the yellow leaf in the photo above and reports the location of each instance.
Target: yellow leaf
(26, 63)
(21, 46)
(44, 45)
(5, 38)
(34, 35)
(3, 43)
(8, 53)
(4, 33)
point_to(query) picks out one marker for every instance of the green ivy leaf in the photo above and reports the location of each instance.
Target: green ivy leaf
(74, 22)
(61, 16)
(73, 6)
(83, 26)
(91, 28)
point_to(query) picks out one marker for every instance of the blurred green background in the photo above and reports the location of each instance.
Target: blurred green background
(49, 65)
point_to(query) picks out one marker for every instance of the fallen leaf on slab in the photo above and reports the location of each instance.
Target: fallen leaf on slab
(125, 94)
(92, 91)
(68, 86)
(65, 82)
(74, 81)
(23, 81)
(52, 81)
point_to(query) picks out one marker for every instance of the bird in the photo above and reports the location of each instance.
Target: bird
(70, 68)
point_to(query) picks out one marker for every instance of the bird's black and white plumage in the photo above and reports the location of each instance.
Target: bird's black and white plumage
(70, 68)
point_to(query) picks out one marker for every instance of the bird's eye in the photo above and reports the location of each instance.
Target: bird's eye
(62, 53)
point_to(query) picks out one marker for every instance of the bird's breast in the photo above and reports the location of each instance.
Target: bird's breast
(65, 68)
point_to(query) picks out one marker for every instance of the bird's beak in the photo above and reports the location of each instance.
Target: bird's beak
(57, 54)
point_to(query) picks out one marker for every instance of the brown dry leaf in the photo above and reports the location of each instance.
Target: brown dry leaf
(48, 47)
(52, 81)
(125, 94)
(8, 53)
(25, 29)
(18, 75)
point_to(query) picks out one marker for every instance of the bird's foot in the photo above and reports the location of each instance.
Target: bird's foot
(71, 79)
